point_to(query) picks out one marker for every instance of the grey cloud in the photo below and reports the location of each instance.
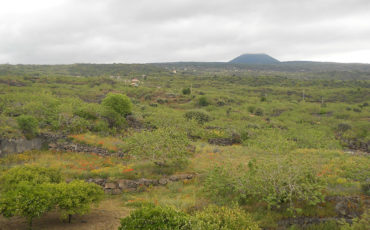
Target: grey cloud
(70, 31)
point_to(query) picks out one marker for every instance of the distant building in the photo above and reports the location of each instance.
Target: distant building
(135, 82)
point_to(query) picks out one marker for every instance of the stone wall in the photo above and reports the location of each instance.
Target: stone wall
(8, 146)
(117, 187)
(74, 147)
(56, 142)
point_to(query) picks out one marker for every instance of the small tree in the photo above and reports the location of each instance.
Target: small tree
(32, 191)
(27, 200)
(76, 197)
(119, 103)
(28, 124)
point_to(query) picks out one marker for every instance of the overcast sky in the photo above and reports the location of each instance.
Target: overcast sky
(141, 31)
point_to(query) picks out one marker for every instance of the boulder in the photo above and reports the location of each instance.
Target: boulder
(163, 181)
(110, 186)
(127, 184)
(115, 191)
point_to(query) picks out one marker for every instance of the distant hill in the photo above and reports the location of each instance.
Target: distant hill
(254, 59)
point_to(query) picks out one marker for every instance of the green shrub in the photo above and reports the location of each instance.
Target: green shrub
(164, 146)
(215, 217)
(251, 109)
(114, 119)
(220, 185)
(203, 101)
(200, 116)
(342, 127)
(100, 126)
(258, 112)
(365, 188)
(357, 110)
(186, 91)
(28, 124)
(162, 101)
(119, 103)
(152, 217)
(78, 125)
(89, 111)
(279, 183)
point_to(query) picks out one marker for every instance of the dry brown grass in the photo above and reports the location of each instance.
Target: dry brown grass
(106, 216)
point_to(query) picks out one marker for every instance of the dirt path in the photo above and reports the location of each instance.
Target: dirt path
(106, 216)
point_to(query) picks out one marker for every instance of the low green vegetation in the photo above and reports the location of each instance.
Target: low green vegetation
(267, 149)
(213, 217)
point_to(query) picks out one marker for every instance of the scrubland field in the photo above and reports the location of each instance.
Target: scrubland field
(202, 147)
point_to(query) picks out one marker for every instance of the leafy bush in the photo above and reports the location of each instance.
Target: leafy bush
(200, 116)
(78, 125)
(156, 218)
(251, 109)
(186, 91)
(220, 185)
(214, 217)
(365, 187)
(203, 101)
(258, 112)
(164, 146)
(119, 103)
(30, 174)
(101, 126)
(28, 124)
(89, 111)
(114, 119)
(342, 127)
